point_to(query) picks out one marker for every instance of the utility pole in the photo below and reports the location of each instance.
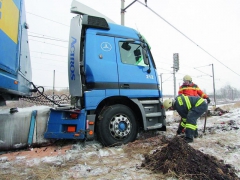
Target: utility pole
(174, 82)
(215, 103)
(124, 9)
(53, 84)
(122, 12)
(175, 68)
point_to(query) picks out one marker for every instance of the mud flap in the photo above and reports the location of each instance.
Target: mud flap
(90, 126)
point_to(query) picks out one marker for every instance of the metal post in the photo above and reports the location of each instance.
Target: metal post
(175, 68)
(53, 84)
(174, 79)
(122, 12)
(161, 84)
(215, 103)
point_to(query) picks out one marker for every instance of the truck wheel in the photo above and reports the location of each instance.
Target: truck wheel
(117, 126)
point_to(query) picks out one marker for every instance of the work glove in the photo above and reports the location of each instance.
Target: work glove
(208, 100)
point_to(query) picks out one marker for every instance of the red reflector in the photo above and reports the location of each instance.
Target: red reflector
(71, 129)
(73, 116)
(91, 123)
(76, 135)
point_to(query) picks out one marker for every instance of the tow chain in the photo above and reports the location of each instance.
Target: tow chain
(38, 97)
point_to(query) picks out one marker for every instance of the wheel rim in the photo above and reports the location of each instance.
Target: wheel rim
(120, 126)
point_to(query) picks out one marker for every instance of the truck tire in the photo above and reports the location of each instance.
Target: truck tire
(117, 125)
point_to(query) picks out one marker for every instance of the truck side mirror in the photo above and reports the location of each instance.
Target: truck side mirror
(145, 57)
(126, 46)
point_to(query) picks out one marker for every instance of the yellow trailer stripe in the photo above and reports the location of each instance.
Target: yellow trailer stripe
(9, 19)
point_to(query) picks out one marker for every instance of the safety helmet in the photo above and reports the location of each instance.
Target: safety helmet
(187, 78)
(167, 103)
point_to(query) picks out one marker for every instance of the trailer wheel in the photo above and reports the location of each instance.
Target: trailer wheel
(117, 126)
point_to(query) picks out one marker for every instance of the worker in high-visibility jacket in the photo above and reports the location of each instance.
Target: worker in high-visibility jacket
(189, 88)
(189, 108)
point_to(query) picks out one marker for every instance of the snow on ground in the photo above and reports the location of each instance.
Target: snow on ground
(221, 136)
(92, 161)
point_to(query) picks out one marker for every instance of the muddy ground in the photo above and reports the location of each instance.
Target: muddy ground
(183, 161)
(152, 156)
(149, 157)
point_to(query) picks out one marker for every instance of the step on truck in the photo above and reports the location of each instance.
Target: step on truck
(113, 83)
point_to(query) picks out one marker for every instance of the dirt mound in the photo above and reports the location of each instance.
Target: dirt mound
(180, 159)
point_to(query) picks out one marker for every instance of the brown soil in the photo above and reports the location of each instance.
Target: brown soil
(37, 152)
(181, 160)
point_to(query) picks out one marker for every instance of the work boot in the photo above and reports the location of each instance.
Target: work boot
(180, 134)
(196, 133)
(180, 130)
(189, 135)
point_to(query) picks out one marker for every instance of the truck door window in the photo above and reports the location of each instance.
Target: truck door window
(131, 53)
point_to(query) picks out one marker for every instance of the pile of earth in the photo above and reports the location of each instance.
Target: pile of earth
(184, 162)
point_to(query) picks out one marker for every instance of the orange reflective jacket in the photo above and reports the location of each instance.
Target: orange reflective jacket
(192, 90)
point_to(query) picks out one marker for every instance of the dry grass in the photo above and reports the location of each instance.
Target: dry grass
(229, 106)
(145, 145)
(236, 105)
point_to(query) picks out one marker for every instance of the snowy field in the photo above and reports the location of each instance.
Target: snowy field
(92, 161)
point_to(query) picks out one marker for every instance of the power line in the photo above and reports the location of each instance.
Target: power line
(49, 64)
(164, 69)
(48, 38)
(187, 37)
(48, 19)
(202, 71)
(48, 59)
(48, 53)
(167, 79)
(47, 70)
(47, 43)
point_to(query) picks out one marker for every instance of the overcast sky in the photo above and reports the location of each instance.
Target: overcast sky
(203, 32)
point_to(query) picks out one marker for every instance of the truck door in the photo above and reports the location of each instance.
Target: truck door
(101, 66)
(136, 78)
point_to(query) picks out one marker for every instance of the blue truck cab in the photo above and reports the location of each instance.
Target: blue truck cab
(113, 82)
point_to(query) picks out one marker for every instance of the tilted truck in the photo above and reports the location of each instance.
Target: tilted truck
(113, 83)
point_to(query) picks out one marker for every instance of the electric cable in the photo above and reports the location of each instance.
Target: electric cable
(47, 43)
(187, 37)
(48, 38)
(48, 19)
